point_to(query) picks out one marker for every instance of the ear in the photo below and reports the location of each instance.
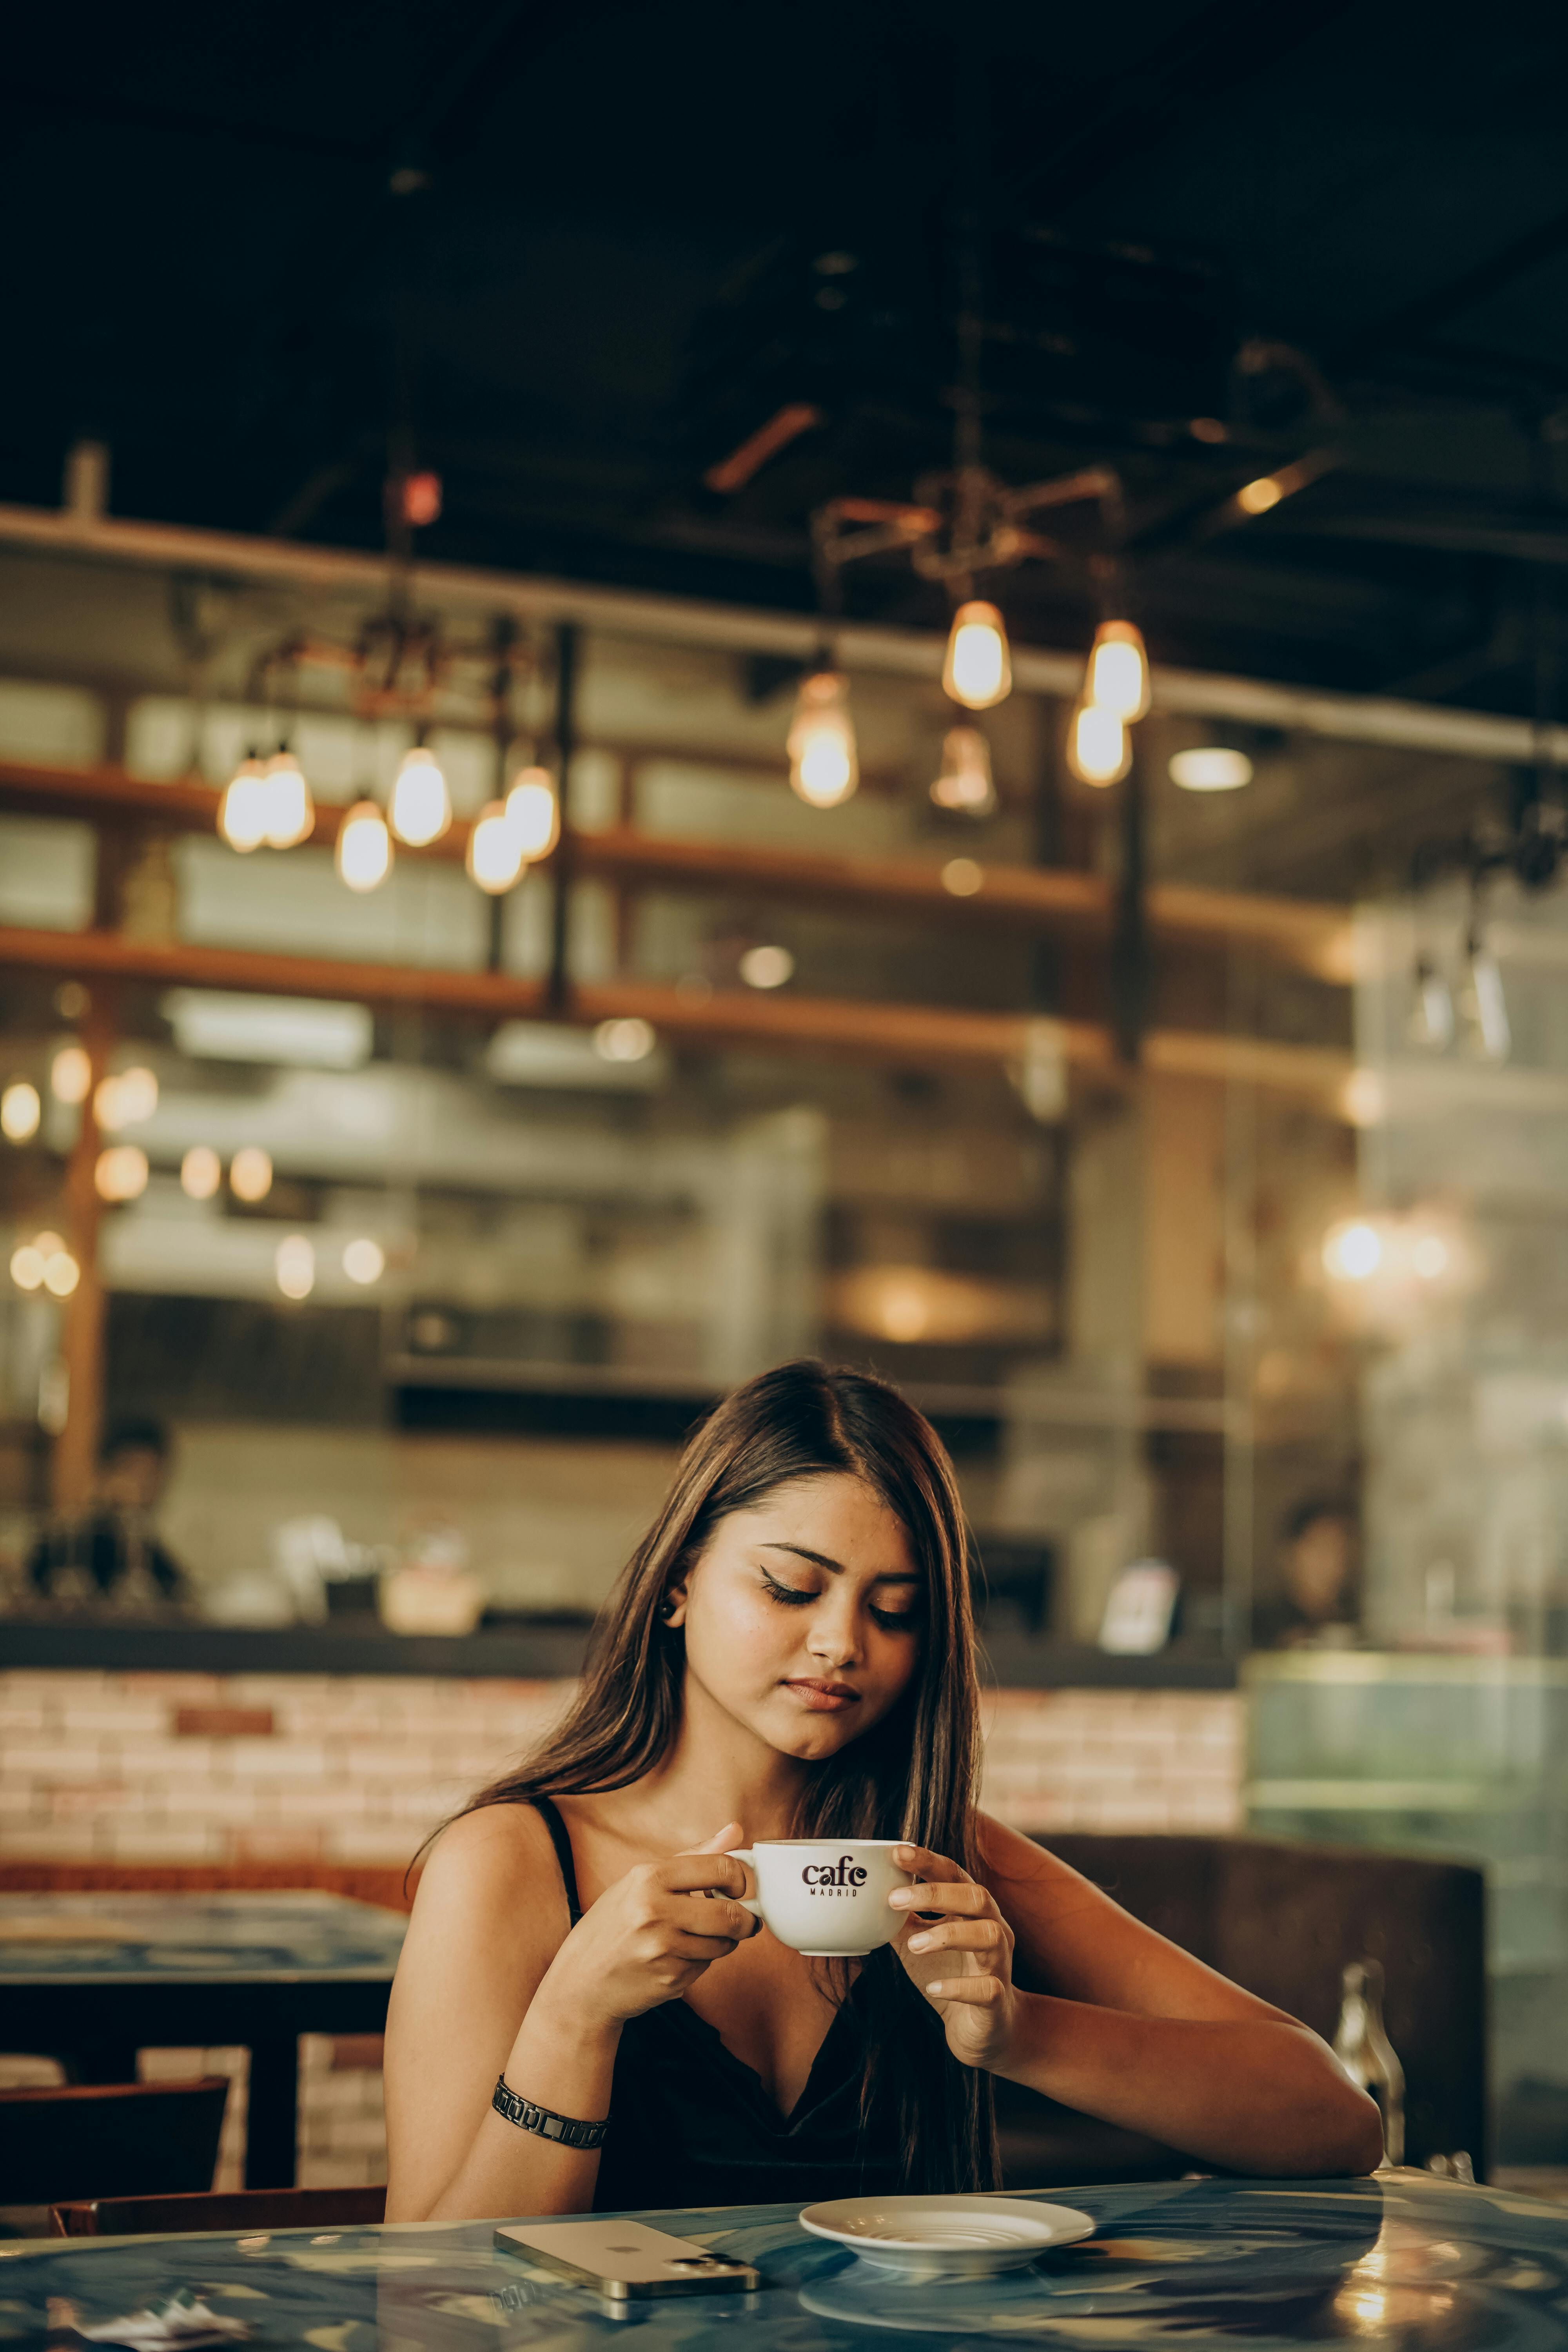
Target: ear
(672, 1608)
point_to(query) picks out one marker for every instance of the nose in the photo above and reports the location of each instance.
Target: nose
(834, 1636)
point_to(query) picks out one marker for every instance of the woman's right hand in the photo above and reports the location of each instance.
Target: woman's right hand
(652, 1933)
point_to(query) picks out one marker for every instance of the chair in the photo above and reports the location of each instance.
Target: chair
(1282, 1920)
(237, 2209)
(91, 2139)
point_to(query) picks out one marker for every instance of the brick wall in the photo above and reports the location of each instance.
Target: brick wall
(276, 1769)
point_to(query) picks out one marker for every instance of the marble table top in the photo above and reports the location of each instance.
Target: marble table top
(258, 1939)
(1249, 2266)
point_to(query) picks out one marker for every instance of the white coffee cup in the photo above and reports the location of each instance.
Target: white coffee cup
(827, 1897)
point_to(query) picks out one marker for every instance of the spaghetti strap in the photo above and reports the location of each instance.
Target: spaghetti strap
(551, 1817)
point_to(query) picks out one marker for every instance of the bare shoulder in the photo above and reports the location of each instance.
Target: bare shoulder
(1009, 1859)
(492, 1880)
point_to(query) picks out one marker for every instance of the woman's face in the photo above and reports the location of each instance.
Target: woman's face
(804, 1617)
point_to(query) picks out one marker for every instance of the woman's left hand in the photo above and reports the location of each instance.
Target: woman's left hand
(963, 1963)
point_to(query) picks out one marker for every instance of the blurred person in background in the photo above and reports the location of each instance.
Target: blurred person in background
(1319, 1604)
(112, 1555)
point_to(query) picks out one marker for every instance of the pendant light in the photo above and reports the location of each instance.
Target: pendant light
(288, 809)
(1118, 676)
(242, 812)
(978, 669)
(495, 858)
(421, 809)
(1099, 750)
(965, 781)
(533, 812)
(824, 765)
(364, 854)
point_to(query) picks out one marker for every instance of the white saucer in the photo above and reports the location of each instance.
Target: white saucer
(946, 2237)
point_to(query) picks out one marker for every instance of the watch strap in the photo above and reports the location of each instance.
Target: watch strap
(566, 2130)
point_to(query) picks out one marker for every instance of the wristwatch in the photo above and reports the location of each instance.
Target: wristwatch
(566, 2129)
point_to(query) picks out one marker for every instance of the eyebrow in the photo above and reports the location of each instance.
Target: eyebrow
(836, 1567)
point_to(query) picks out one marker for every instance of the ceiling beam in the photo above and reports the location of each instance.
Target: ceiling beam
(898, 1034)
(1308, 936)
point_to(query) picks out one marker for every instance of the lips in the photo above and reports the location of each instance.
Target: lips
(823, 1697)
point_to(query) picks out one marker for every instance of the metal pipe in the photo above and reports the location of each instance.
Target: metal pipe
(903, 653)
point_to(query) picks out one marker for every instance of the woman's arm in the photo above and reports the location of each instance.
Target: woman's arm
(487, 1924)
(491, 1981)
(1127, 2027)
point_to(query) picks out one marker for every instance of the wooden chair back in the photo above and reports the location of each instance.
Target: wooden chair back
(244, 2210)
(108, 2139)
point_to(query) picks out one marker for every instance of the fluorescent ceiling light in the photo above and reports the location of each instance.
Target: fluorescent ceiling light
(301, 1030)
(541, 1053)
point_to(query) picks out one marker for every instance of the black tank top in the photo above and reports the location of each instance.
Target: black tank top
(690, 2123)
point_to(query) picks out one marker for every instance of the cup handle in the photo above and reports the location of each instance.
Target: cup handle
(747, 1902)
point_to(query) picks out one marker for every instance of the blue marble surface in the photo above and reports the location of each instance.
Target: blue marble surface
(142, 1938)
(1426, 2266)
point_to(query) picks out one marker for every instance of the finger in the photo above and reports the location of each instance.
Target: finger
(957, 1936)
(683, 1945)
(711, 1915)
(692, 1873)
(961, 1896)
(926, 1864)
(722, 1840)
(970, 1992)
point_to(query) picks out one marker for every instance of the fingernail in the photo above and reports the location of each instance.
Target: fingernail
(900, 1899)
(936, 1987)
(920, 1943)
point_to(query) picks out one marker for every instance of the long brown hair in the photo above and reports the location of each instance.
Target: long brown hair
(911, 1776)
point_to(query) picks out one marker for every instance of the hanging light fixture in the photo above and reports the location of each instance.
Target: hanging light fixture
(1099, 749)
(421, 808)
(1118, 676)
(495, 858)
(964, 781)
(243, 810)
(1482, 1005)
(364, 847)
(824, 765)
(289, 811)
(533, 814)
(1210, 767)
(978, 669)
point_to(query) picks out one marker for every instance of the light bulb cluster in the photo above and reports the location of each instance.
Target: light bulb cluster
(44, 1264)
(1115, 697)
(268, 803)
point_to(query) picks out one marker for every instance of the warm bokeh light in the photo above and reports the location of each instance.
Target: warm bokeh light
(978, 668)
(200, 1172)
(364, 854)
(421, 808)
(294, 1266)
(61, 1272)
(964, 779)
(961, 878)
(125, 1099)
(364, 1261)
(1099, 749)
(1353, 1251)
(824, 764)
(70, 1075)
(288, 812)
(121, 1172)
(242, 812)
(1118, 671)
(250, 1175)
(1363, 1097)
(533, 812)
(1210, 767)
(767, 966)
(494, 859)
(27, 1266)
(629, 1040)
(20, 1111)
(1430, 1256)
(1256, 497)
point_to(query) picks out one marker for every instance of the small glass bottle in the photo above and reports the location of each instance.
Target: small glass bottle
(1363, 2049)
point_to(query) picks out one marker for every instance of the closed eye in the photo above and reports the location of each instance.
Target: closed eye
(791, 1595)
(898, 1621)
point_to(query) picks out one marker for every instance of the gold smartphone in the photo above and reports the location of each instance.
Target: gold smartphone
(627, 2259)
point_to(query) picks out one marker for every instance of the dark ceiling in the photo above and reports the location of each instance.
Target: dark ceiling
(569, 259)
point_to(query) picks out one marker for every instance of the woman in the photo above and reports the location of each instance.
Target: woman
(586, 2017)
